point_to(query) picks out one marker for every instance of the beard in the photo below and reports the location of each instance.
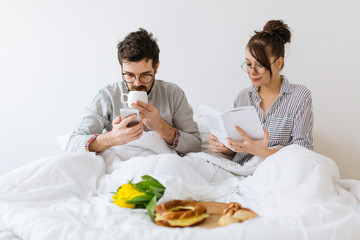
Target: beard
(139, 88)
(143, 87)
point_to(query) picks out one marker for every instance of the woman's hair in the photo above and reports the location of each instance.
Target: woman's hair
(269, 42)
(137, 46)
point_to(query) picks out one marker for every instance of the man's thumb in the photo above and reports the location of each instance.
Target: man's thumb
(117, 120)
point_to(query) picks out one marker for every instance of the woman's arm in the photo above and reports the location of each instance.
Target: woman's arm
(303, 125)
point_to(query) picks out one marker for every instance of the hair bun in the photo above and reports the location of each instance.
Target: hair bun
(278, 29)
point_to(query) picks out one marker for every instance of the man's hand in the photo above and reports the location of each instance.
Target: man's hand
(119, 135)
(150, 116)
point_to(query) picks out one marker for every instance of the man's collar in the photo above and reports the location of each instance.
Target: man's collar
(152, 88)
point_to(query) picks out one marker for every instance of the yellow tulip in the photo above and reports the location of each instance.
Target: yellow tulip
(126, 193)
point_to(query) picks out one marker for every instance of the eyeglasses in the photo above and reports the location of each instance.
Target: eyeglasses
(130, 78)
(260, 69)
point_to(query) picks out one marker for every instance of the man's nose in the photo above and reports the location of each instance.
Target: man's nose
(137, 82)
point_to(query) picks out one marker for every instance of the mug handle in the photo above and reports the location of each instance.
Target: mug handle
(122, 97)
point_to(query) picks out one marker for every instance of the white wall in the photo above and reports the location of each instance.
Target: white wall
(56, 55)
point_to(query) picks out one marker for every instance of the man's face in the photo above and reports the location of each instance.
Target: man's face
(142, 69)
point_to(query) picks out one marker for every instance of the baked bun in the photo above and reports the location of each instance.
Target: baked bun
(234, 213)
(180, 213)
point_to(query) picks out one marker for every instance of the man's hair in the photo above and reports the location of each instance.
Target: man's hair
(137, 46)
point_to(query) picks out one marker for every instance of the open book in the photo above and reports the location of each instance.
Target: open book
(222, 125)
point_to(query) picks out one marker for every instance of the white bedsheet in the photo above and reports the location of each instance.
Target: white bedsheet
(297, 193)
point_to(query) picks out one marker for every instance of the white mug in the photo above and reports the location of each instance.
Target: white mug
(134, 96)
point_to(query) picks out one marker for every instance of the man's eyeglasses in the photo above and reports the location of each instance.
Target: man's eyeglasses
(260, 69)
(130, 78)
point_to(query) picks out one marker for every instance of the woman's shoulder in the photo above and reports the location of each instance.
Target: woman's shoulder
(296, 90)
(301, 91)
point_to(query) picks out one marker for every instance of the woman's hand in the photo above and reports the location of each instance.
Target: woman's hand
(218, 147)
(255, 147)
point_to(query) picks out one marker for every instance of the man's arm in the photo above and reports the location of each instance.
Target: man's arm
(183, 119)
(95, 120)
(89, 135)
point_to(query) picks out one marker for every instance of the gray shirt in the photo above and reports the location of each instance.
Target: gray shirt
(168, 98)
(289, 119)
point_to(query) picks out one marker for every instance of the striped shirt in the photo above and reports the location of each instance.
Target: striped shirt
(289, 119)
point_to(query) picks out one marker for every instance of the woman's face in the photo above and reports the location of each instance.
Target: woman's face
(257, 75)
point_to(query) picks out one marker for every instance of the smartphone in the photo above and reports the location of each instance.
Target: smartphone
(125, 112)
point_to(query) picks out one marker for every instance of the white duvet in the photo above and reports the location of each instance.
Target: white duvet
(297, 193)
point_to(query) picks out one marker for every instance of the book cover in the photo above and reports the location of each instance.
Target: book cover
(223, 125)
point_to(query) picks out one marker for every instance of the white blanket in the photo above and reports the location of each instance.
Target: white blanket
(297, 193)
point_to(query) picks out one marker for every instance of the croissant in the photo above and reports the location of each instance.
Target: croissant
(234, 213)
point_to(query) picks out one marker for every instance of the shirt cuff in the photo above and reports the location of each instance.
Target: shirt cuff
(92, 138)
(177, 138)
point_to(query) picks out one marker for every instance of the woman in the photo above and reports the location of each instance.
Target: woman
(284, 109)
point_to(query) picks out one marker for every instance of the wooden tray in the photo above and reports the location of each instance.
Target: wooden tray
(214, 209)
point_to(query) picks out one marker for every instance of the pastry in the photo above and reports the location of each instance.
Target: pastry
(234, 213)
(180, 213)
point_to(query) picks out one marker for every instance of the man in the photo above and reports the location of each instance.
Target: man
(167, 112)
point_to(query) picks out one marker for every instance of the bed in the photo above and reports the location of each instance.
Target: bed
(297, 193)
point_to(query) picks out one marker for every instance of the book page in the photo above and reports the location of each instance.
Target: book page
(247, 119)
(214, 123)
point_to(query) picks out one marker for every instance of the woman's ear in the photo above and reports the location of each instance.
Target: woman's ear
(279, 63)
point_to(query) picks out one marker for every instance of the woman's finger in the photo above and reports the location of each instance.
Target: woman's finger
(243, 134)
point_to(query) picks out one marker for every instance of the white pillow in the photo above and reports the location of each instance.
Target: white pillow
(204, 133)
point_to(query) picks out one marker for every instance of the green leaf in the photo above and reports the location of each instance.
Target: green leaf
(145, 185)
(151, 179)
(151, 208)
(148, 178)
(158, 192)
(131, 180)
(140, 199)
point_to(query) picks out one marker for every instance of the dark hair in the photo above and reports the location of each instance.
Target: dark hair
(269, 42)
(137, 46)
